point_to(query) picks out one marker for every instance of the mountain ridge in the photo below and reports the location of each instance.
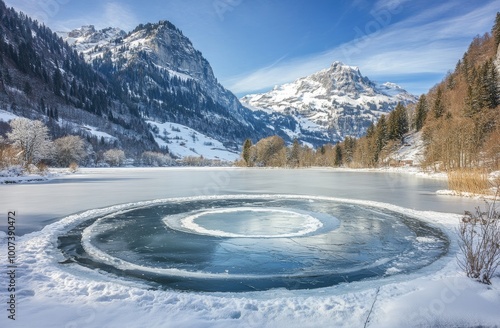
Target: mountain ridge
(339, 99)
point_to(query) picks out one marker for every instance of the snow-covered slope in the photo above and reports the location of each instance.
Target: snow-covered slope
(339, 99)
(412, 150)
(7, 116)
(183, 141)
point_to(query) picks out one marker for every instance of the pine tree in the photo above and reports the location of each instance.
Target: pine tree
(470, 102)
(381, 137)
(370, 132)
(348, 151)
(294, 159)
(338, 155)
(247, 145)
(495, 31)
(421, 112)
(322, 150)
(43, 109)
(397, 124)
(403, 125)
(438, 107)
(7, 77)
(27, 88)
(491, 82)
(57, 80)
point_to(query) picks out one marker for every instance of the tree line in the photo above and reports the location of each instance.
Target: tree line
(27, 144)
(367, 151)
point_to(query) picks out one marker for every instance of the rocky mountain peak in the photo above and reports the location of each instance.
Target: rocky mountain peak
(339, 99)
(342, 79)
(87, 39)
(158, 67)
(82, 31)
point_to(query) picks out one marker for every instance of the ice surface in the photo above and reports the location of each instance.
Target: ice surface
(300, 223)
(50, 294)
(323, 251)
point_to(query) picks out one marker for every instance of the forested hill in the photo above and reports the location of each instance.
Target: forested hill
(462, 122)
(458, 119)
(41, 77)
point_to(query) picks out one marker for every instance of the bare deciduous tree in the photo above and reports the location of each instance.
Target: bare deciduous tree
(69, 149)
(114, 157)
(479, 241)
(9, 155)
(156, 159)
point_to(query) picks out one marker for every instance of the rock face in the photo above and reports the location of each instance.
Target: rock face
(339, 100)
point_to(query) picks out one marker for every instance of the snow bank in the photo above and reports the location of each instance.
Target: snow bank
(51, 294)
(16, 174)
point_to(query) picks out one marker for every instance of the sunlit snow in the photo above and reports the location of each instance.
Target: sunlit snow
(183, 141)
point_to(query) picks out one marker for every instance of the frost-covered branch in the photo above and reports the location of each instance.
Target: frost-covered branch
(479, 241)
(32, 138)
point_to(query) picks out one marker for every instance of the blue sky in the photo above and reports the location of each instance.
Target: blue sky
(253, 45)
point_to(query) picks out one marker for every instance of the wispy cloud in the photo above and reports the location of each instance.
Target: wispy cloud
(42, 11)
(119, 15)
(109, 14)
(389, 5)
(423, 43)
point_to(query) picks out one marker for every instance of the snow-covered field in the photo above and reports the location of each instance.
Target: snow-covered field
(50, 294)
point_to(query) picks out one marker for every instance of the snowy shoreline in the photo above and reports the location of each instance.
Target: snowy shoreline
(55, 173)
(55, 294)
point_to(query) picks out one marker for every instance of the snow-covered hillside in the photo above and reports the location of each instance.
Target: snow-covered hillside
(6, 116)
(339, 99)
(183, 141)
(413, 149)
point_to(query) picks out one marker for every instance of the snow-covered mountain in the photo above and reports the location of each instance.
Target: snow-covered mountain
(43, 78)
(160, 71)
(115, 89)
(162, 45)
(338, 100)
(171, 81)
(87, 39)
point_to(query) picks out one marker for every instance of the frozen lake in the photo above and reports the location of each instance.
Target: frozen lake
(247, 243)
(42, 203)
(231, 247)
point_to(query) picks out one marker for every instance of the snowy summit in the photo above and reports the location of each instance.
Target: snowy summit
(339, 99)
